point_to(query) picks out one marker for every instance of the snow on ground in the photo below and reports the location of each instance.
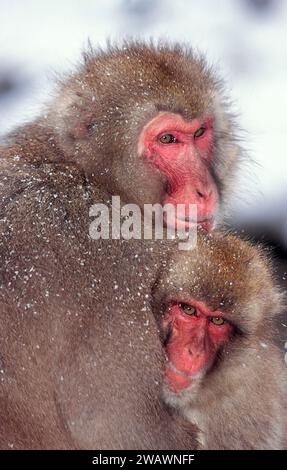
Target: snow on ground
(249, 45)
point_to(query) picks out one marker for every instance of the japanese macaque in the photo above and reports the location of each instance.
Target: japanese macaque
(147, 123)
(217, 308)
(80, 355)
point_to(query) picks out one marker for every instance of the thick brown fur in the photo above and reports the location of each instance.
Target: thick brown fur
(79, 350)
(241, 403)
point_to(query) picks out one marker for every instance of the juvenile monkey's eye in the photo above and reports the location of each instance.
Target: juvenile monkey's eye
(218, 321)
(187, 309)
(168, 139)
(199, 132)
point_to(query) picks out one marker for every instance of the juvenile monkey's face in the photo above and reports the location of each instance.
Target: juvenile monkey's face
(209, 300)
(183, 152)
(193, 336)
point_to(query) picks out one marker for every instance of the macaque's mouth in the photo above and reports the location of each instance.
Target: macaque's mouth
(186, 223)
(194, 220)
(177, 380)
(171, 366)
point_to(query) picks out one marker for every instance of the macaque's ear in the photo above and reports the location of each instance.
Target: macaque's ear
(73, 115)
(82, 128)
(260, 266)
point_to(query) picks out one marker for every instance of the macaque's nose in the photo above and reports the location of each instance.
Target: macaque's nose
(203, 193)
(196, 345)
(196, 349)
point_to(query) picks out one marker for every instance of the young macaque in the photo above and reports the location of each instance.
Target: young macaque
(218, 305)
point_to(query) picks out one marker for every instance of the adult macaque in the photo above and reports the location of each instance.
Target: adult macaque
(149, 124)
(80, 358)
(218, 305)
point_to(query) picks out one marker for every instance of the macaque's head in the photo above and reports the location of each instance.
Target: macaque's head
(151, 125)
(207, 301)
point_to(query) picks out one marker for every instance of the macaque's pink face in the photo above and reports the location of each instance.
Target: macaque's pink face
(194, 336)
(183, 153)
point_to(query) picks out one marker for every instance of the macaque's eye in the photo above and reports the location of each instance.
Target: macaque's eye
(199, 132)
(187, 309)
(218, 321)
(168, 139)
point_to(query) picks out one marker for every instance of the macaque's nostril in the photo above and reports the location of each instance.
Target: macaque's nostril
(205, 194)
(190, 351)
(199, 193)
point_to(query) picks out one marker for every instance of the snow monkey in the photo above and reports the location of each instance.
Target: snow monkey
(148, 123)
(216, 306)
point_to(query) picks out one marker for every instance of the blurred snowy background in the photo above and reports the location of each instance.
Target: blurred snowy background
(247, 39)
